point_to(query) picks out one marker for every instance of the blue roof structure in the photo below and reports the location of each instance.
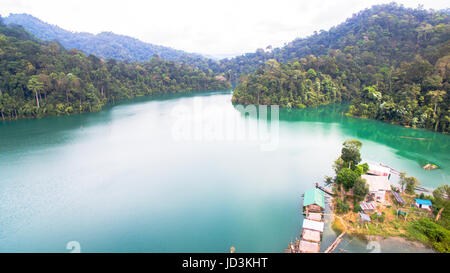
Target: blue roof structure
(423, 202)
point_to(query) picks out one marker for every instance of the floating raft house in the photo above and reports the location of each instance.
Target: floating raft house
(314, 201)
(313, 225)
(314, 217)
(311, 235)
(308, 247)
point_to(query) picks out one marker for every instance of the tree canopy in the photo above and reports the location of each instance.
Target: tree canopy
(350, 152)
(390, 62)
(42, 78)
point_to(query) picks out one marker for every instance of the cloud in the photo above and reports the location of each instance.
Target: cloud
(218, 28)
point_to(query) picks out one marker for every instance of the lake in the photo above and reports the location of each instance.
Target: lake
(146, 175)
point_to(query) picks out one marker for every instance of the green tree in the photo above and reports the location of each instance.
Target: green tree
(350, 152)
(362, 168)
(411, 183)
(360, 189)
(338, 165)
(341, 206)
(436, 96)
(403, 181)
(442, 192)
(35, 85)
(347, 177)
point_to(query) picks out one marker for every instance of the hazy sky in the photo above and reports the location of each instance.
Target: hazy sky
(219, 28)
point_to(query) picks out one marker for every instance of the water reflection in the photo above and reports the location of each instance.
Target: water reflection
(417, 145)
(386, 134)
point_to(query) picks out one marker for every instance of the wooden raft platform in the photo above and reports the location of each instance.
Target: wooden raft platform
(311, 235)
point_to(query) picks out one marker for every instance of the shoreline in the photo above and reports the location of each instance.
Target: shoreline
(385, 243)
(403, 240)
(378, 232)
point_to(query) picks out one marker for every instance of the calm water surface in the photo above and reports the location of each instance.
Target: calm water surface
(119, 181)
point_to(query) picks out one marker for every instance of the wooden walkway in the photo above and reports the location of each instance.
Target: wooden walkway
(338, 240)
(392, 170)
(324, 189)
(335, 243)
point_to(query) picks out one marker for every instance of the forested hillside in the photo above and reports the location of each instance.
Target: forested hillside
(391, 62)
(106, 45)
(42, 78)
(287, 85)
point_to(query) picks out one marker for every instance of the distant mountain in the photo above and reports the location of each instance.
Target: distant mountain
(383, 34)
(104, 45)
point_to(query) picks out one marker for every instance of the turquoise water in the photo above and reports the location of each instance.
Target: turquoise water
(121, 181)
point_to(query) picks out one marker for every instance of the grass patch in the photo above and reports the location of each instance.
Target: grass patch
(337, 225)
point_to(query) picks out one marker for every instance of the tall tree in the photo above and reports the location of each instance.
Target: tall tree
(35, 85)
(350, 152)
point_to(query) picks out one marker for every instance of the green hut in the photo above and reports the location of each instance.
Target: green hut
(314, 201)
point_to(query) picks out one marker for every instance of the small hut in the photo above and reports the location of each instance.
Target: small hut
(313, 201)
(364, 217)
(423, 204)
(368, 207)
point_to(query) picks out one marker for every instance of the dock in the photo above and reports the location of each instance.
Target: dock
(422, 189)
(336, 242)
(324, 189)
(392, 171)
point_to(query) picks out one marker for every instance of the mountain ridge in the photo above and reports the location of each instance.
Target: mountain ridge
(105, 44)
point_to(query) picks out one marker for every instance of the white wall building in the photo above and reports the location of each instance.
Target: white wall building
(378, 186)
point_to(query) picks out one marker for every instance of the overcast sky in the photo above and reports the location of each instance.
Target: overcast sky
(218, 28)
